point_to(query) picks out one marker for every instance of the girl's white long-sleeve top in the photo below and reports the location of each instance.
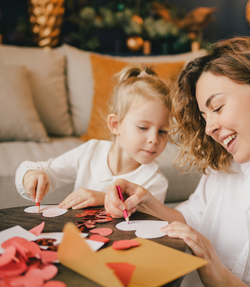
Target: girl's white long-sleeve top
(87, 166)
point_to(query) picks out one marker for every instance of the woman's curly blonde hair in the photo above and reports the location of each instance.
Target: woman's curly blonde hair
(229, 58)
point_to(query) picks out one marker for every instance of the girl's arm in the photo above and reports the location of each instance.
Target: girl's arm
(137, 198)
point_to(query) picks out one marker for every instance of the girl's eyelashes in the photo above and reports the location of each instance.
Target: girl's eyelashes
(163, 132)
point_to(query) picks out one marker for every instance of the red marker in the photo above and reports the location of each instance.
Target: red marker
(38, 206)
(121, 198)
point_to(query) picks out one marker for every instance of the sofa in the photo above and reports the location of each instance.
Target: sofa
(54, 100)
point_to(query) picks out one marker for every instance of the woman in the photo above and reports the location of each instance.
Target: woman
(211, 108)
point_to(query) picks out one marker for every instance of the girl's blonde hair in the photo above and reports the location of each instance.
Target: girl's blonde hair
(230, 58)
(136, 84)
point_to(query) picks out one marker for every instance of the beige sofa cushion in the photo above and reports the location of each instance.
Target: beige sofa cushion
(46, 74)
(81, 84)
(18, 116)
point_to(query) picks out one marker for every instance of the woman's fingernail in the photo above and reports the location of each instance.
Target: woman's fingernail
(121, 207)
(129, 205)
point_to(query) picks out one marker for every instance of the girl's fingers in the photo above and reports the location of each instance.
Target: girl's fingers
(41, 184)
(31, 189)
(68, 199)
(46, 189)
(82, 204)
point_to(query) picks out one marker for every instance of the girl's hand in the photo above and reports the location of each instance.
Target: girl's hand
(133, 195)
(36, 183)
(82, 198)
(214, 273)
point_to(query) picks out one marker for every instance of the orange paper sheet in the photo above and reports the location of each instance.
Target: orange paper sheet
(156, 264)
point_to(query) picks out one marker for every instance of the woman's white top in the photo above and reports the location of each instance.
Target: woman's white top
(87, 166)
(220, 210)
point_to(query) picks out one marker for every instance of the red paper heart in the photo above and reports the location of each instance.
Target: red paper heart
(8, 242)
(48, 256)
(102, 231)
(54, 284)
(123, 271)
(46, 273)
(124, 244)
(28, 280)
(99, 238)
(8, 255)
(33, 249)
(13, 268)
(38, 229)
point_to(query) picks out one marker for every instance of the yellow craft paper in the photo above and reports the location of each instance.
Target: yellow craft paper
(75, 254)
(156, 264)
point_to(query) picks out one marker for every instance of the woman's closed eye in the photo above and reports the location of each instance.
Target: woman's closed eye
(217, 110)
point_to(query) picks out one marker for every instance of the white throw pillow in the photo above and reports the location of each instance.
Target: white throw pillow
(81, 84)
(19, 119)
(46, 74)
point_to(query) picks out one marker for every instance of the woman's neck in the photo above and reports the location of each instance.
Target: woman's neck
(120, 162)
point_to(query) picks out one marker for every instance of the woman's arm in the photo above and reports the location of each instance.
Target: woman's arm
(137, 198)
(214, 274)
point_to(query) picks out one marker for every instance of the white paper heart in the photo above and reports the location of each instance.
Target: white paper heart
(144, 228)
(47, 210)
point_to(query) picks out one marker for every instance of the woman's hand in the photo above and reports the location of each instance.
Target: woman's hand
(214, 273)
(133, 195)
(36, 183)
(82, 198)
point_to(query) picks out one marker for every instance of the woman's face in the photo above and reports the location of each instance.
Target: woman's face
(225, 106)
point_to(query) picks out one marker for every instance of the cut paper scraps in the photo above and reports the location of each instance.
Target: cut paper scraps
(52, 240)
(24, 264)
(73, 252)
(124, 244)
(155, 264)
(47, 210)
(123, 271)
(13, 232)
(90, 217)
(102, 231)
(144, 228)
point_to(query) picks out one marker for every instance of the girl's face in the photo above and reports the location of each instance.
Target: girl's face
(143, 131)
(225, 106)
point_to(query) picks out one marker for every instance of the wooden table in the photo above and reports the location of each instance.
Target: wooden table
(16, 216)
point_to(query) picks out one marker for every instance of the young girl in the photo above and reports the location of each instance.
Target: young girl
(138, 121)
(211, 109)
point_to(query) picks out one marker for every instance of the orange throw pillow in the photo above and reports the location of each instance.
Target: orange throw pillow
(103, 69)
